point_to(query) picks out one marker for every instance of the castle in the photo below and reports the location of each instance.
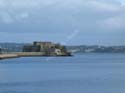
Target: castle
(47, 48)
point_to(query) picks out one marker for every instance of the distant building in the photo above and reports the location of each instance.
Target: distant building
(48, 48)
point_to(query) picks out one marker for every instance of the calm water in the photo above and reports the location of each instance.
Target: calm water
(87, 73)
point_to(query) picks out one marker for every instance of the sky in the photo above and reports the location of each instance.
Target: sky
(70, 22)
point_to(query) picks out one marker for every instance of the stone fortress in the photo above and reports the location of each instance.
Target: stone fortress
(47, 48)
(37, 49)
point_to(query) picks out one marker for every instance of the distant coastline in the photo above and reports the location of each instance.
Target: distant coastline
(17, 47)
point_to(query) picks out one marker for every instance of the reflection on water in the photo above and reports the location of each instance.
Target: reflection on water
(87, 73)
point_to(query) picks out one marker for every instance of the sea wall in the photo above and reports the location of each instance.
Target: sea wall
(20, 54)
(5, 56)
(26, 54)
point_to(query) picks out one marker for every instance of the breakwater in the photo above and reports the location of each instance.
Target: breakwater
(5, 56)
(20, 54)
(26, 54)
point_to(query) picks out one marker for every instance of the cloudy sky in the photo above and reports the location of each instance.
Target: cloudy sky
(78, 22)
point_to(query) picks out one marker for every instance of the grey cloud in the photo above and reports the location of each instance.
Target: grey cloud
(70, 14)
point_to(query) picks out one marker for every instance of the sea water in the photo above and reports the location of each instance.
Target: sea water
(81, 73)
